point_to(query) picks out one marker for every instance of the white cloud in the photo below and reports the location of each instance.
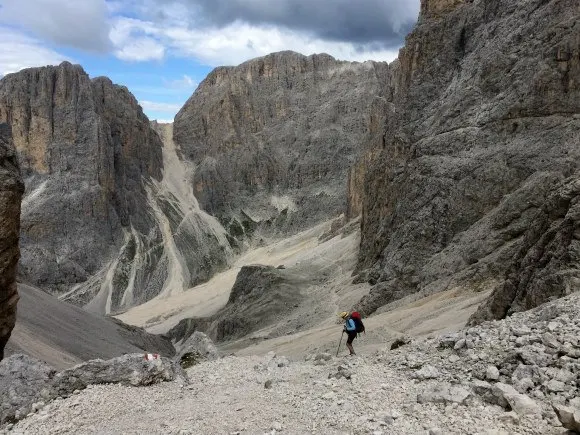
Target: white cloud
(81, 24)
(134, 40)
(145, 30)
(230, 45)
(239, 42)
(153, 106)
(141, 49)
(18, 51)
(186, 82)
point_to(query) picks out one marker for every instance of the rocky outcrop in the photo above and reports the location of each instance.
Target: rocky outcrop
(548, 263)
(134, 370)
(195, 349)
(274, 138)
(481, 124)
(259, 296)
(27, 385)
(11, 190)
(569, 416)
(94, 229)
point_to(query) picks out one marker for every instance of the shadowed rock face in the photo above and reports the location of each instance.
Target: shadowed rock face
(260, 295)
(481, 124)
(98, 227)
(548, 263)
(11, 190)
(275, 137)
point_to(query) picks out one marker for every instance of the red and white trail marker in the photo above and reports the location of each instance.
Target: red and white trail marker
(151, 356)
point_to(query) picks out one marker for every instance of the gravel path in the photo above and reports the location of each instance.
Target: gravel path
(229, 396)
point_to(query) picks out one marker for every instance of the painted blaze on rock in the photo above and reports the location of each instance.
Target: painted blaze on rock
(11, 190)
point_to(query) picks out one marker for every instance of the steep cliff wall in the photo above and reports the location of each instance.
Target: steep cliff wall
(92, 229)
(11, 190)
(276, 136)
(482, 124)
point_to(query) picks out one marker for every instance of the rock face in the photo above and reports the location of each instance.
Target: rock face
(548, 263)
(93, 226)
(481, 127)
(11, 190)
(274, 137)
(259, 295)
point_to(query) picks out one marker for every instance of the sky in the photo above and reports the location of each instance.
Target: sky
(162, 49)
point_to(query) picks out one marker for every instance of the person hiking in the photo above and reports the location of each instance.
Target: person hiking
(350, 329)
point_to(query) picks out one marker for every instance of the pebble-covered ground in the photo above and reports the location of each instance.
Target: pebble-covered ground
(499, 378)
(230, 396)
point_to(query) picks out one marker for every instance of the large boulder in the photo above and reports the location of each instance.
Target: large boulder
(135, 370)
(11, 190)
(196, 348)
(569, 417)
(24, 381)
(443, 393)
(506, 396)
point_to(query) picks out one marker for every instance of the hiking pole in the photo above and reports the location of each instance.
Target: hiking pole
(339, 343)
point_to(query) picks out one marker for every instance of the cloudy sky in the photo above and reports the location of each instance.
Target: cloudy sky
(161, 49)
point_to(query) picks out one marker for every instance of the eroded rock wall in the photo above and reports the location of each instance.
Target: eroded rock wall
(85, 148)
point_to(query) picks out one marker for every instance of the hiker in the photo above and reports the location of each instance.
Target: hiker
(350, 329)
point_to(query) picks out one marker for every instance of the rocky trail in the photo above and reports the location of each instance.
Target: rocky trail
(503, 377)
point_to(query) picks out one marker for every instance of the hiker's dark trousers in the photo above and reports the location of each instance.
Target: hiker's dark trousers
(351, 336)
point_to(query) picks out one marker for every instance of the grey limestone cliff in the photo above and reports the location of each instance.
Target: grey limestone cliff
(94, 229)
(273, 139)
(480, 125)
